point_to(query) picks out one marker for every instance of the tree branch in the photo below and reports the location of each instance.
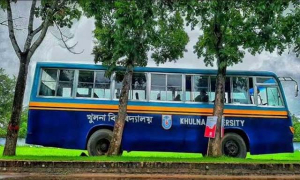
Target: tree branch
(40, 39)
(31, 17)
(62, 36)
(11, 31)
(2, 22)
(30, 27)
(38, 29)
(44, 28)
(59, 6)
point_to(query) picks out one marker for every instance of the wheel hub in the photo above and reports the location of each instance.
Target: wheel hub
(231, 148)
(102, 146)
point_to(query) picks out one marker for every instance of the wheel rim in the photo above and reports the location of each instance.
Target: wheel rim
(102, 146)
(231, 148)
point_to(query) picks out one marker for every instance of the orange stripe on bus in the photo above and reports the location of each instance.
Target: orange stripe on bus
(154, 112)
(129, 111)
(160, 109)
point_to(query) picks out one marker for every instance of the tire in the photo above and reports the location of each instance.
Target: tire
(99, 141)
(233, 145)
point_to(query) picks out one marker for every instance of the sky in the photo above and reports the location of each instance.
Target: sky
(51, 50)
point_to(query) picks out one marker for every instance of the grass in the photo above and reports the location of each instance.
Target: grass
(56, 154)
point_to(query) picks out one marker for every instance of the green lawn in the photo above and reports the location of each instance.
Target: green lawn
(56, 154)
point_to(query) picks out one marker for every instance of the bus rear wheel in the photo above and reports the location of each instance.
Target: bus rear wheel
(233, 145)
(98, 143)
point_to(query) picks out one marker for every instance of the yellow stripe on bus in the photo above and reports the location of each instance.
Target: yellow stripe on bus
(160, 109)
(100, 110)
(156, 110)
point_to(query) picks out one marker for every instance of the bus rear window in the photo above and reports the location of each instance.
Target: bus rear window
(48, 82)
(51, 85)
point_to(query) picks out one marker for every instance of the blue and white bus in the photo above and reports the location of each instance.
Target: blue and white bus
(74, 106)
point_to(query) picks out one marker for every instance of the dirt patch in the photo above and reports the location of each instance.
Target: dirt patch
(35, 176)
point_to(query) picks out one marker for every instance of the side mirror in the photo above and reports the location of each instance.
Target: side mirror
(296, 90)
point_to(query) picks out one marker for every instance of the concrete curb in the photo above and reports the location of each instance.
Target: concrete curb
(149, 168)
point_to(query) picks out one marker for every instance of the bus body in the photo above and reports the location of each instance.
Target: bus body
(71, 102)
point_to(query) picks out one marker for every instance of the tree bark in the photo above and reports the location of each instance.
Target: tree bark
(13, 126)
(116, 140)
(215, 145)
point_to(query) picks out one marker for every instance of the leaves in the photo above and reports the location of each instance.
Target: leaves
(232, 27)
(63, 14)
(7, 87)
(127, 30)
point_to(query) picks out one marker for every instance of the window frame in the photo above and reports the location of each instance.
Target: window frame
(192, 87)
(94, 84)
(248, 89)
(76, 83)
(146, 99)
(276, 85)
(113, 87)
(73, 84)
(40, 82)
(148, 89)
(56, 85)
(166, 86)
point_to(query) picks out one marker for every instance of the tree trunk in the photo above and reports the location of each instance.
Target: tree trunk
(13, 126)
(116, 140)
(214, 145)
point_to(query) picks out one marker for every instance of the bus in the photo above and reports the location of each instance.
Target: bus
(74, 106)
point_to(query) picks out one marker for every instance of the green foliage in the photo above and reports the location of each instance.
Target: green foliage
(126, 31)
(63, 16)
(289, 27)
(297, 132)
(7, 87)
(23, 123)
(296, 125)
(3, 4)
(231, 27)
(295, 120)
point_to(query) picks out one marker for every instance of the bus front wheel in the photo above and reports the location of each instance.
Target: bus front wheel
(98, 143)
(233, 145)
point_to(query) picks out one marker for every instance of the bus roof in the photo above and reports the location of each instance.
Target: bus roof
(153, 69)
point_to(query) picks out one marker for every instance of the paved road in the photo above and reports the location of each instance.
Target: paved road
(32, 176)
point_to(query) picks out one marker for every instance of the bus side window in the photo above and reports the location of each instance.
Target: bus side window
(269, 96)
(200, 89)
(188, 88)
(138, 87)
(65, 83)
(227, 90)
(166, 87)
(119, 76)
(48, 82)
(212, 91)
(102, 86)
(240, 91)
(85, 84)
(251, 91)
(174, 87)
(227, 97)
(268, 92)
(158, 87)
